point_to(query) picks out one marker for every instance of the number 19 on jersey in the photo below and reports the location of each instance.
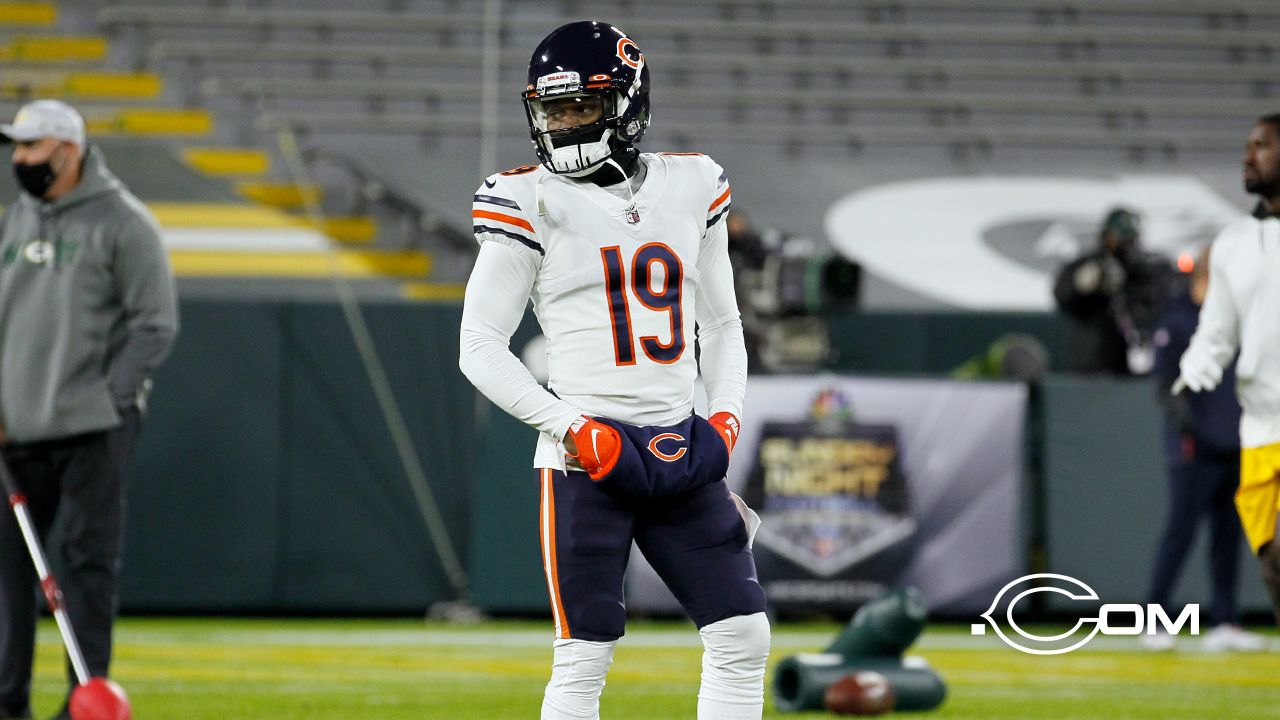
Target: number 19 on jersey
(667, 300)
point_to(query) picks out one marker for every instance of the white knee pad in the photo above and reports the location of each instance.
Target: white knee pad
(733, 659)
(578, 668)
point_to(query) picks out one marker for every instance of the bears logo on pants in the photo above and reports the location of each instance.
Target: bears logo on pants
(667, 457)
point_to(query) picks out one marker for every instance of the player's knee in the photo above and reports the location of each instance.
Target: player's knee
(736, 649)
(597, 620)
(579, 661)
(577, 678)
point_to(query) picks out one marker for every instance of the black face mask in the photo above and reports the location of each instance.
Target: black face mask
(36, 179)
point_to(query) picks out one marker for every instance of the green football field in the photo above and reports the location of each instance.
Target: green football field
(221, 669)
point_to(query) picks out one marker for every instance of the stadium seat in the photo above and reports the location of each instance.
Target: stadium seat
(304, 265)
(228, 161)
(285, 196)
(28, 14)
(30, 49)
(152, 121)
(1124, 84)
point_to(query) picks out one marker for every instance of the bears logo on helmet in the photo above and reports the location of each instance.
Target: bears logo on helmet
(627, 44)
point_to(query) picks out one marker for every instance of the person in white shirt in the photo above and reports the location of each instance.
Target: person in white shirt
(1242, 312)
(624, 256)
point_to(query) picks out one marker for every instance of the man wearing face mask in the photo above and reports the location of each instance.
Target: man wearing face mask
(87, 313)
(1114, 296)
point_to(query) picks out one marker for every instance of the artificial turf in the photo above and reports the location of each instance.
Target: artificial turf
(227, 669)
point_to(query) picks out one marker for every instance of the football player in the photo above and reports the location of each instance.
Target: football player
(624, 255)
(1242, 311)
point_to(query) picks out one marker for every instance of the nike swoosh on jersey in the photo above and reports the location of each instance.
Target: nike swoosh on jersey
(490, 185)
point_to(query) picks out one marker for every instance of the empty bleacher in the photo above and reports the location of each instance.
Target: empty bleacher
(847, 73)
(392, 92)
(224, 210)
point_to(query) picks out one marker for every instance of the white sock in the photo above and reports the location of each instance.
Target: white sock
(733, 658)
(578, 668)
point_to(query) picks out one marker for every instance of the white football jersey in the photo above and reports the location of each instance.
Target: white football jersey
(616, 279)
(1240, 312)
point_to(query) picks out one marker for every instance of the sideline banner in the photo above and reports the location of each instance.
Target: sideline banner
(866, 484)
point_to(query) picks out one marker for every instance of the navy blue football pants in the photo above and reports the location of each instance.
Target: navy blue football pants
(1202, 488)
(696, 541)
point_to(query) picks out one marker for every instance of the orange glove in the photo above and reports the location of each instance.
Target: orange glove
(728, 426)
(594, 445)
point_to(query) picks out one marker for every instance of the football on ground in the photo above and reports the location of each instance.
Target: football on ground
(860, 693)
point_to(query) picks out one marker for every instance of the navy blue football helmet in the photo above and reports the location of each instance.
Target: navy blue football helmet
(578, 62)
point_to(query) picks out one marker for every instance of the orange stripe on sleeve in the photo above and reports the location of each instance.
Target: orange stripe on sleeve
(719, 200)
(511, 219)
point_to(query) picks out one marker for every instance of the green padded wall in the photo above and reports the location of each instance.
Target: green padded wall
(266, 479)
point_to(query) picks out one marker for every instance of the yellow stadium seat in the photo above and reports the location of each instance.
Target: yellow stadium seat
(228, 161)
(282, 195)
(221, 215)
(432, 291)
(55, 49)
(312, 265)
(28, 14)
(112, 85)
(165, 122)
(30, 83)
(351, 230)
(192, 123)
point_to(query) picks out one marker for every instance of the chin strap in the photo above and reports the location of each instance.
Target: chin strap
(632, 213)
(631, 195)
(539, 199)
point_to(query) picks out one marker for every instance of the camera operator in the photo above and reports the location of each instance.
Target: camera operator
(747, 253)
(787, 286)
(1115, 295)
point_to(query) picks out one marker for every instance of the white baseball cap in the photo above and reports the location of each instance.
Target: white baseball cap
(45, 118)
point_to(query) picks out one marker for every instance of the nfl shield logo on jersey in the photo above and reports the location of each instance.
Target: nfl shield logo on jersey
(633, 215)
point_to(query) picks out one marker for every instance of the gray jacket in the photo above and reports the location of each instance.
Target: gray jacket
(87, 307)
